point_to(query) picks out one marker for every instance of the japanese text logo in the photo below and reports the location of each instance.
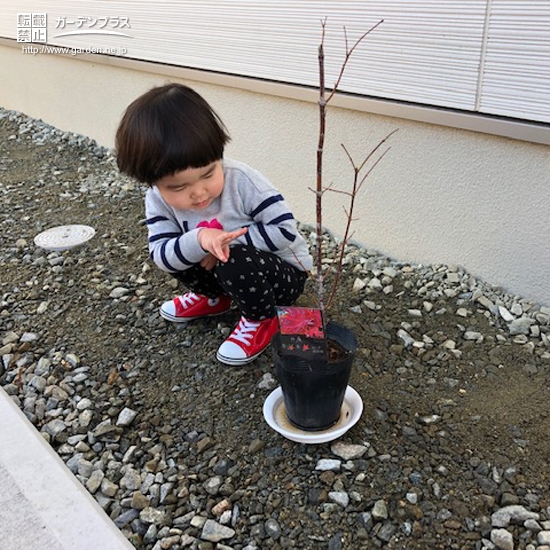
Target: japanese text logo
(32, 27)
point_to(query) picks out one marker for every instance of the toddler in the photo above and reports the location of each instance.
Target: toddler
(215, 224)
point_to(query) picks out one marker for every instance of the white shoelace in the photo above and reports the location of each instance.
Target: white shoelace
(245, 331)
(188, 299)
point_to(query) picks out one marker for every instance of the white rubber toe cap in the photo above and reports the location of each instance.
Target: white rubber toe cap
(168, 311)
(232, 354)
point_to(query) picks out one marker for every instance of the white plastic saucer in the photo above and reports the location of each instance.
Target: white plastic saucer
(64, 237)
(275, 415)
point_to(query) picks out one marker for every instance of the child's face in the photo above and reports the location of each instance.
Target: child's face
(193, 188)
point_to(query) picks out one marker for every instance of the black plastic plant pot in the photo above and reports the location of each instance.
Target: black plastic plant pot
(314, 390)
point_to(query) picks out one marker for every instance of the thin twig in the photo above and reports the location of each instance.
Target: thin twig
(381, 142)
(348, 55)
(356, 187)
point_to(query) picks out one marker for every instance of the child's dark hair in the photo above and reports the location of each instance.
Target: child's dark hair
(168, 129)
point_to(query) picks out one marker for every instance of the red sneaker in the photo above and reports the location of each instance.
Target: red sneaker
(193, 306)
(247, 341)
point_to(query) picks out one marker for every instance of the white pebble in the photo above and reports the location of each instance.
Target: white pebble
(126, 417)
(502, 539)
(328, 464)
(505, 314)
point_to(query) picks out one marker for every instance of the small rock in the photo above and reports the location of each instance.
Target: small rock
(508, 498)
(139, 501)
(54, 427)
(131, 480)
(328, 465)
(520, 326)
(272, 529)
(204, 444)
(267, 382)
(335, 542)
(94, 481)
(348, 451)
(152, 515)
(118, 292)
(85, 418)
(168, 542)
(375, 284)
(485, 302)
(125, 518)
(214, 532)
(108, 488)
(255, 446)
(73, 360)
(431, 419)
(502, 539)
(212, 485)
(221, 507)
(84, 404)
(126, 417)
(512, 514)
(405, 337)
(379, 511)
(505, 314)
(103, 428)
(198, 521)
(453, 278)
(339, 497)
(358, 285)
(532, 525)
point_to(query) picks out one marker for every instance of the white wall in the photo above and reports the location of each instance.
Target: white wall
(441, 195)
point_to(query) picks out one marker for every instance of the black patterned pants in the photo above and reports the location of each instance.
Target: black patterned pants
(255, 280)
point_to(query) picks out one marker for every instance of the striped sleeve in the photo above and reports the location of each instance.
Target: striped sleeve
(173, 248)
(274, 226)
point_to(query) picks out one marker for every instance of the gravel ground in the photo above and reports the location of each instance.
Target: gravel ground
(452, 448)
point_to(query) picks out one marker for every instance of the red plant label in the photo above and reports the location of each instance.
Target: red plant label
(302, 332)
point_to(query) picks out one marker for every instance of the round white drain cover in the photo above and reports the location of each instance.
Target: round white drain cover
(64, 237)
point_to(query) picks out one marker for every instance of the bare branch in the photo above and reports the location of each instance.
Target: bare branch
(372, 168)
(323, 27)
(358, 180)
(348, 55)
(352, 162)
(346, 39)
(380, 143)
(340, 192)
(357, 184)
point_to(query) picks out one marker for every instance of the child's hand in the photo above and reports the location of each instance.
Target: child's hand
(217, 241)
(209, 262)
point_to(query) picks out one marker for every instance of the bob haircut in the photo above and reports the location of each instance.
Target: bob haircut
(168, 129)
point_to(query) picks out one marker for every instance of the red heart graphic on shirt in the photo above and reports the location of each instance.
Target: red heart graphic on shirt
(214, 224)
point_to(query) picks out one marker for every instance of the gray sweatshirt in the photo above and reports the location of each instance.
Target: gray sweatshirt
(248, 200)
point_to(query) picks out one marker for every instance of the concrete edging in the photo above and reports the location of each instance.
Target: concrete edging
(42, 504)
